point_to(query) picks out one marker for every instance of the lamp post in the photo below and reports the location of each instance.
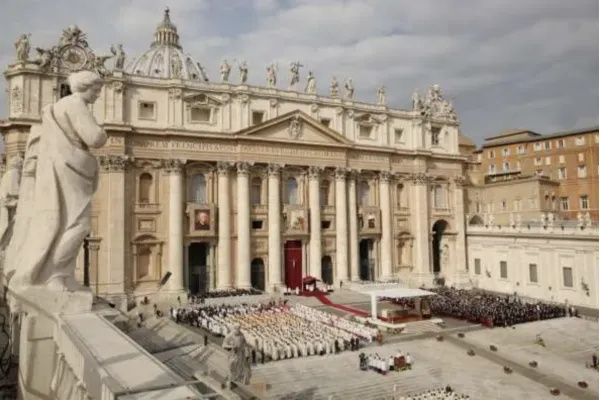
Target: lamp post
(86, 262)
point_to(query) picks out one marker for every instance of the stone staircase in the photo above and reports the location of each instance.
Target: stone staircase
(418, 327)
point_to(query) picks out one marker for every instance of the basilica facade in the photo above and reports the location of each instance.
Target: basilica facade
(217, 184)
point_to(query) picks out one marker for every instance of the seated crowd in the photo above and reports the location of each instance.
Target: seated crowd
(487, 309)
(212, 294)
(364, 332)
(276, 330)
(446, 393)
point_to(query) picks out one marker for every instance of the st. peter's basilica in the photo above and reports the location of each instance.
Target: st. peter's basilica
(225, 184)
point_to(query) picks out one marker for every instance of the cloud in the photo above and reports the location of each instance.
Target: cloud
(528, 63)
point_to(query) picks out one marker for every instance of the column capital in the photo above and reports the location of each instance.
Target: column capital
(275, 169)
(243, 167)
(419, 178)
(341, 173)
(314, 171)
(353, 173)
(459, 180)
(173, 165)
(114, 163)
(385, 176)
(223, 168)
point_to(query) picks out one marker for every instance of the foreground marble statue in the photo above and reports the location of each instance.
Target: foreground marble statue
(239, 360)
(60, 176)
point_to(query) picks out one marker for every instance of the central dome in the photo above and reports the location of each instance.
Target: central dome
(165, 59)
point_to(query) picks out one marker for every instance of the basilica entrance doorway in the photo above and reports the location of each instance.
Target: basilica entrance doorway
(438, 232)
(327, 270)
(257, 274)
(292, 255)
(367, 262)
(198, 270)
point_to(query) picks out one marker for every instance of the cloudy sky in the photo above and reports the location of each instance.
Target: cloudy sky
(507, 63)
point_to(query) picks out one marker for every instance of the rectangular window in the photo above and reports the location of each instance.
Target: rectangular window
(581, 157)
(492, 169)
(505, 166)
(567, 277)
(548, 160)
(521, 149)
(503, 270)
(583, 202)
(364, 131)
(257, 225)
(477, 263)
(581, 171)
(533, 273)
(564, 203)
(538, 161)
(547, 145)
(399, 135)
(580, 141)
(491, 154)
(562, 173)
(560, 143)
(561, 159)
(435, 136)
(200, 114)
(258, 117)
(325, 225)
(537, 146)
(325, 122)
(505, 152)
(147, 110)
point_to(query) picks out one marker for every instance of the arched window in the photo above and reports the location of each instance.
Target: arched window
(400, 202)
(197, 189)
(364, 194)
(256, 191)
(143, 262)
(145, 188)
(291, 191)
(439, 196)
(324, 197)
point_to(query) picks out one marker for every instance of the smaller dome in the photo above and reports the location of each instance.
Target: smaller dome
(165, 59)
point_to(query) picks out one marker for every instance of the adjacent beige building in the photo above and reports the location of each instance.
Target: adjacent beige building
(220, 184)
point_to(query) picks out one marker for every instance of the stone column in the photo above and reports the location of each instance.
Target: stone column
(274, 221)
(114, 166)
(175, 241)
(386, 225)
(420, 225)
(243, 226)
(341, 225)
(353, 227)
(315, 221)
(459, 212)
(224, 210)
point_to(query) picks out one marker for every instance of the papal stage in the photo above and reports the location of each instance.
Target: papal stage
(226, 184)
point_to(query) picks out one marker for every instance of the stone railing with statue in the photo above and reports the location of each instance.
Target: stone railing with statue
(547, 224)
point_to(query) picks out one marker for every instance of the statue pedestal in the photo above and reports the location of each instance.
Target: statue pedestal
(38, 351)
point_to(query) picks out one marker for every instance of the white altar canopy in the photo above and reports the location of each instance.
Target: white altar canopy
(395, 293)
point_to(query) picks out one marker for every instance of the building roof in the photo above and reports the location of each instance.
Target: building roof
(165, 59)
(464, 140)
(508, 138)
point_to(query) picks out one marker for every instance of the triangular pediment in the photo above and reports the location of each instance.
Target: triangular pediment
(201, 99)
(296, 126)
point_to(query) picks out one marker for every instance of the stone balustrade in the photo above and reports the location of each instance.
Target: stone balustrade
(556, 228)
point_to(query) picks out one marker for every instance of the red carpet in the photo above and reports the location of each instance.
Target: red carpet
(323, 299)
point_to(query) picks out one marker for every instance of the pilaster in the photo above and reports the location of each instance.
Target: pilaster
(243, 226)
(315, 221)
(386, 225)
(224, 215)
(341, 225)
(114, 167)
(174, 168)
